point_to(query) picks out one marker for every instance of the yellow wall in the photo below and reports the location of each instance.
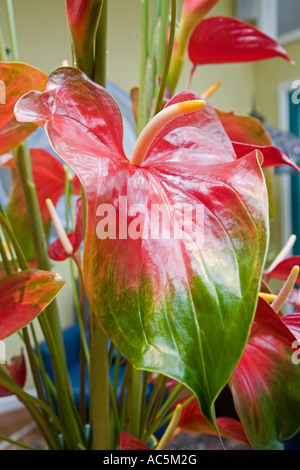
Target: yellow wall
(268, 76)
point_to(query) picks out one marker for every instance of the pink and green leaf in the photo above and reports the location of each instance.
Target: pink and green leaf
(18, 78)
(187, 302)
(23, 296)
(223, 40)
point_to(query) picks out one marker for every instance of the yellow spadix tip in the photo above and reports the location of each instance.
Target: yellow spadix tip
(190, 106)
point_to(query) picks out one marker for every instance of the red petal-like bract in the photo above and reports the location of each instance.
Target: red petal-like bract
(265, 387)
(192, 421)
(18, 78)
(23, 296)
(130, 442)
(272, 155)
(169, 303)
(283, 269)
(56, 250)
(223, 40)
(274, 325)
(17, 370)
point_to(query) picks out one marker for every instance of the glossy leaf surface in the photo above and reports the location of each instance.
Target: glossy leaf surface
(223, 40)
(187, 298)
(23, 296)
(18, 78)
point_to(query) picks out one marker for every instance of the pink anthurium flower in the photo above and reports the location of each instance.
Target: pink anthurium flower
(49, 179)
(220, 40)
(282, 269)
(18, 78)
(57, 251)
(268, 410)
(17, 370)
(23, 296)
(130, 442)
(193, 421)
(188, 297)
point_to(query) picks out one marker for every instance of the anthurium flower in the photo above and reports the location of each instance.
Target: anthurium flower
(57, 251)
(23, 296)
(83, 18)
(192, 421)
(188, 298)
(17, 370)
(282, 269)
(130, 442)
(223, 40)
(265, 387)
(18, 78)
(49, 178)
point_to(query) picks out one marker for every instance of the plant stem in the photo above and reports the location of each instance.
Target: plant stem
(12, 30)
(101, 47)
(168, 57)
(142, 101)
(99, 386)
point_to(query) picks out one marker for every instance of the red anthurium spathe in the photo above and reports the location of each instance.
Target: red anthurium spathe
(23, 296)
(19, 78)
(17, 370)
(130, 442)
(56, 250)
(188, 297)
(223, 40)
(192, 421)
(83, 18)
(282, 269)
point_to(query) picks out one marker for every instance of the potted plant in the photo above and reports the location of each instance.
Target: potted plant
(171, 286)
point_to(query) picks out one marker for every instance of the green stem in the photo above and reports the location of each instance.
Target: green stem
(136, 398)
(99, 386)
(12, 30)
(168, 57)
(142, 101)
(101, 47)
(3, 54)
